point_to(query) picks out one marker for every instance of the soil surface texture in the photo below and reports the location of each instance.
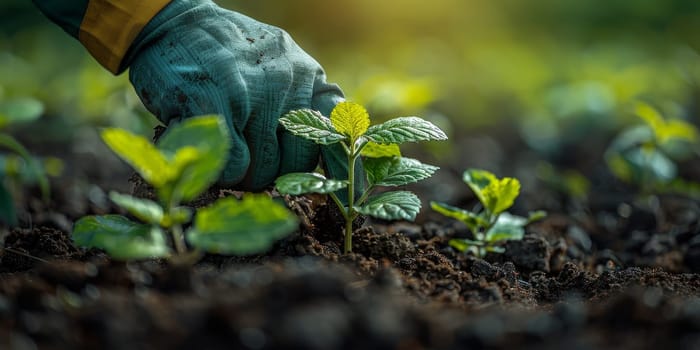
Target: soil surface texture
(616, 271)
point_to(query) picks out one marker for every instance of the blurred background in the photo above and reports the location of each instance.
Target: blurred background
(552, 81)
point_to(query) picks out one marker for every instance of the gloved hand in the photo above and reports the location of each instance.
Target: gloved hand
(196, 58)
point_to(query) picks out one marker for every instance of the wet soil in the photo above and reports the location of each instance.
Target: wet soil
(613, 272)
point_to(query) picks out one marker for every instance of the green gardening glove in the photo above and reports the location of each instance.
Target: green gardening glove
(196, 58)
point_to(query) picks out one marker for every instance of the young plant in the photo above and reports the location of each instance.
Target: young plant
(645, 155)
(492, 225)
(349, 125)
(185, 162)
(19, 167)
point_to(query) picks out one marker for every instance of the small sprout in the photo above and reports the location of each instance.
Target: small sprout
(349, 125)
(492, 226)
(184, 163)
(19, 167)
(646, 155)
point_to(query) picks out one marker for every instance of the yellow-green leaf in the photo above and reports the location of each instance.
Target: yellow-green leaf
(140, 154)
(376, 150)
(666, 130)
(501, 194)
(650, 115)
(351, 119)
(183, 158)
(677, 130)
(199, 148)
(477, 180)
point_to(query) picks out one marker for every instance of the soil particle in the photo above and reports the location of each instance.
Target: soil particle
(532, 253)
(692, 254)
(25, 247)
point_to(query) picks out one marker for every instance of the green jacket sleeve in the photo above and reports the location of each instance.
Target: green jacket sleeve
(105, 27)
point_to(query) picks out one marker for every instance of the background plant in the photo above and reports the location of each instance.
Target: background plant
(185, 162)
(647, 155)
(491, 226)
(19, 167)
(349, 125)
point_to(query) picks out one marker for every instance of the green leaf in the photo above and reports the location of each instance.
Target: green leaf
(630, 138)
(248, 226)
(495, 249)
(496, 195)
(639, 165)
(20, 110)
(501, 194)
(200, 148)
(7, 206)
(145, 210)
(25, 168)
(664, 130)
(536, 216)
(141, 154)
(201, 132)
(477, 180)
(650, 116)
(376, 150)
(9, 142)
(351, 119)
(507, 227)
(120, 237)
(311, 125)
(177, 216)
(505, 233)
(392, 206)
(678, 130)
(620, 167)
(464, 245)
(396, 171)
(472, 220)
(300, 183)
(404, 129)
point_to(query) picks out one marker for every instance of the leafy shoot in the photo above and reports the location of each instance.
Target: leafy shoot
(182, 165)
(492, 225)
(377, 145)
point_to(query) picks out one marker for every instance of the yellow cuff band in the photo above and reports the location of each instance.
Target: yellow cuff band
(110, 26)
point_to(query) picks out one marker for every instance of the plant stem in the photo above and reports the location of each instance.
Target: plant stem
(352, 156)
(179, 239)
(339, 204)
(364, 196)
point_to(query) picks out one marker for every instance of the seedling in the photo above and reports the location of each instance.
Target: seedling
(20, 167)
(645, 155)
(492, 225)
(185, 162)
(349, 125)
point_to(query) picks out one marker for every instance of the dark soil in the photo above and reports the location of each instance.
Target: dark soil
(608, 273)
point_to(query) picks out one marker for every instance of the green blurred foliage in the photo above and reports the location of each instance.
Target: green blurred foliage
(38, 60)
(561, 70)
(484, 60)
(647, 154)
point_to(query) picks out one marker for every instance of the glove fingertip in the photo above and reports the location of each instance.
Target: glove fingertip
(326, 96)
